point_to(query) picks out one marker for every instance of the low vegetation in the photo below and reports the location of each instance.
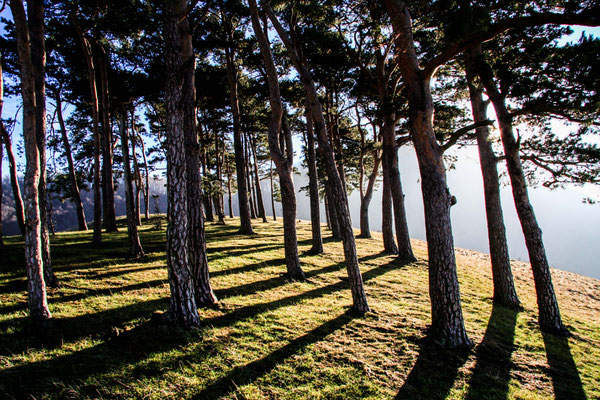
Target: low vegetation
(270, 338)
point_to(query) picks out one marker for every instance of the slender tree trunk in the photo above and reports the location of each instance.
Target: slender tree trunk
(146, 177)
(135, 247)
(365, 231)
(328, 223)
(504, 286)
(182, 307)
(219, 206)
(230, 204)
(334, 222)
(549, 312)
(359, 298)
(282, 152)
(208, 211)
(244, 206)
(108, 186)
(261, 206)
(76, 197)
(88, 54)
(138, 178)
(251, 197)
(12, 165)
(272, 192)
(447, 322)
(36, 286)
(313, 183)
(390, 167)
(35, 15)
(389, 243)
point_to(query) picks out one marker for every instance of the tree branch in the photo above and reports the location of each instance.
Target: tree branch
(462, 131)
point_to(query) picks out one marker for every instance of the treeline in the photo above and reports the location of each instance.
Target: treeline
(212, 94)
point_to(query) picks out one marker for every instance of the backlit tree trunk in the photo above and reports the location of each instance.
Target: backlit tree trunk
(261, 207)
(282, 152)
(135, 247)
(387, 230)
(359, 297)
(447, 322)
(76, 197)
(89, 59)
(504, 286)
(313, 183)
(36, 286)
(182, 306)
(244, 206)
(549, 312)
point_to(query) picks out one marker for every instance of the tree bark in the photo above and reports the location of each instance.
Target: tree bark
(272, 192)
(177, 36)
(389, 244)
(76, 197)
(135, 247)
(36, 286)
(35, 16)
(244, 206)
(333, 218)
(88, 54)
(359, 298)
(505, 292)
(230, 205)
(108, 186)
(313, 183)
(447, 322)
(390, 168)
(282, 152)
(549, 312)
(251, 194)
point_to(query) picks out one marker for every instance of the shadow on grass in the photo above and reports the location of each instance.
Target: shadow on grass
(491, 374)
(434, 372)
(134, 345)
(245, 374)
(563, 371)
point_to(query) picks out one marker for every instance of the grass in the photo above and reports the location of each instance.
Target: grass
(270, 338)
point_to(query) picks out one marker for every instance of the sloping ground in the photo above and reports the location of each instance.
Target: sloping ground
(274, 339)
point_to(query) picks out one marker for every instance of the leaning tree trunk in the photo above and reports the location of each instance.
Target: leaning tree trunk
(282, 152)
(89, 59)
(12, 164)
(135, 247)
(391, 169)
(108, 186)
(245, 222)
(76, 197)
(504, 285)
(447, 322)
(182, 306)
(35, 15)
(549, 312)
(313, 184)
(359, 297)
(387, 230)
(36, 286)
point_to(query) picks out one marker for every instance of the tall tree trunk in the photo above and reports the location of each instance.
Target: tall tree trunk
(390, 168)
(208, 211)
(261, 206)
(137, 175)
(272, 192)
(135, 247)
(182, 306)
(146, 175)
(281, 149)
(313, 183)
(219, 206)
(387, 230)
(230, 204)
(359, 298)
(76, 197)
(251, 196)
(12, 165)
(447, 322)
(108, 186)
(333, 218)
(365, 231)
(89, 58)
(549, 312)
(35, 16)
(504, 286)
(36, 286)
(244, 206)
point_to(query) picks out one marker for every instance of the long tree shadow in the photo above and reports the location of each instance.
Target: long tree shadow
(434, 372)
(491, 374)
(563, 371)
(245, 374)
(133, 345)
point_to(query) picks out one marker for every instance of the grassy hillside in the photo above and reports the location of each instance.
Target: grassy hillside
(274, 339)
